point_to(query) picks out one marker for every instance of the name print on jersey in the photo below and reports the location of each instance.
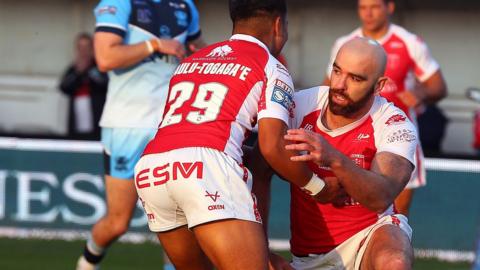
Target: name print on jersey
(230, 69)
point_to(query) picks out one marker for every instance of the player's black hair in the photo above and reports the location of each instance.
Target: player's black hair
(245, 9)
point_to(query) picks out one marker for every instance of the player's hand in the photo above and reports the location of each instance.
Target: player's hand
(193, 47)
(410, 98)
(172, 47)
(316, 147)
(277, 262)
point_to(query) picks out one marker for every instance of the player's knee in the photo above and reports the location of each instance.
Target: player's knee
(118, 225)
(393, 260)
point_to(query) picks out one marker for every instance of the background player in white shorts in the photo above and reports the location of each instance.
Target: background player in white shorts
(140, 57)
(190, 179)
(416, 78)
(363, 146)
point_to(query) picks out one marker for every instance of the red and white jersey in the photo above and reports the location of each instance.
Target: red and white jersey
(318, 228)
(407, 55)
(217, 94)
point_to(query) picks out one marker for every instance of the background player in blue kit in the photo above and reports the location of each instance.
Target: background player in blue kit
(139, 43)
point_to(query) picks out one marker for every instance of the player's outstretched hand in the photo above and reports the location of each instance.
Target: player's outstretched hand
(172, 47)
(277, 262)
(314, 147)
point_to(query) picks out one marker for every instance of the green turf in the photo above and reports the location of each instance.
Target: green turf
(60, 255)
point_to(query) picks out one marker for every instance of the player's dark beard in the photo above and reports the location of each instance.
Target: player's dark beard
(352, 107)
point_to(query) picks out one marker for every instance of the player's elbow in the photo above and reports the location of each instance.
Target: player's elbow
(380, 203)
(439, 93)
(104, 65)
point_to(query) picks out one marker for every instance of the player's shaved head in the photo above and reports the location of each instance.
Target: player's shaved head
(367, 53)
(357, 75)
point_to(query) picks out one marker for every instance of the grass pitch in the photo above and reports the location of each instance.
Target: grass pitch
(32, 254)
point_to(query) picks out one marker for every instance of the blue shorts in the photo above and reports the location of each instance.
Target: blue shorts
(123, 147)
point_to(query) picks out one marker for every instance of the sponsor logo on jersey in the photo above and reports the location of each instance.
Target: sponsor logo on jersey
(396, 119)
(182, 18)
(283, 95)
(165, 31)
(396, 45)
(393, 61)
(144, 15)
(359, 159)
(175, 5)
(220, 51)
(403, 135)
(107, 10)
(363, 136)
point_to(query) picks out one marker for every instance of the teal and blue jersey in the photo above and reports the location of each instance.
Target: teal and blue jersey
(136, 95)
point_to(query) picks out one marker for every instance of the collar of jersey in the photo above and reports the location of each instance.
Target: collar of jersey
(249, 39)
(383, 39)
(342, 130)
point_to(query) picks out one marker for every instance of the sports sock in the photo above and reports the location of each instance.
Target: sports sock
(93, 253)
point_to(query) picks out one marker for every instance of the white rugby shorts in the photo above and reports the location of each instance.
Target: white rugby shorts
(349, 254)
(192, 186)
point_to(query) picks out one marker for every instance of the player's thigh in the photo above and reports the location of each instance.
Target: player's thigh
(183, 249)
(122, 150)
(388, 248)
(234, 244)
(121, 197)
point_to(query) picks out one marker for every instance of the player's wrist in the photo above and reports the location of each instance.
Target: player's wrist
(150, 46)
(314, 186)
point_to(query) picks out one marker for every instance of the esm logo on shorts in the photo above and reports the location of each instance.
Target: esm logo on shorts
(162, 174)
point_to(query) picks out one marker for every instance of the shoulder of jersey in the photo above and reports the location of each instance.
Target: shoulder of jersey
(228, 48)
(311, 99)
(385, 112)
(404, 34)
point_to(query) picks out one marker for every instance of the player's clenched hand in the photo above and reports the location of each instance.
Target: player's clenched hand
(277, 262)
(316, 147)
(172, 47)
